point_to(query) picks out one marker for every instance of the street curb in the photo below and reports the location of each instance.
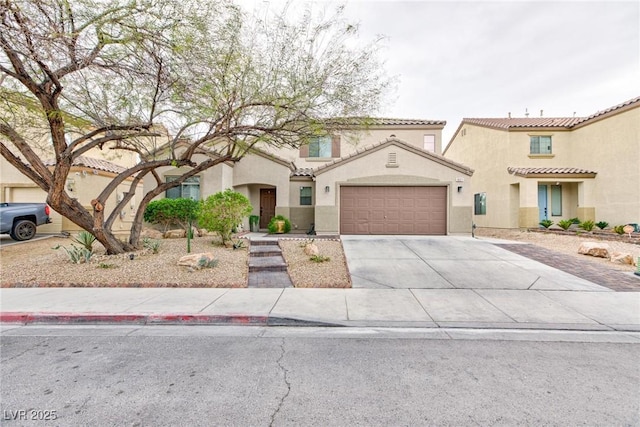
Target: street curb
(131, 319)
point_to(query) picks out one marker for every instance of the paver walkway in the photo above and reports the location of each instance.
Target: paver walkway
(601, 275)
(267, 268)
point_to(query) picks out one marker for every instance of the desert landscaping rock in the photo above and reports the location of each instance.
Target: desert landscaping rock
(175, 234)
(622, 258)
(596, 249)
(311, 249)
(195, 260)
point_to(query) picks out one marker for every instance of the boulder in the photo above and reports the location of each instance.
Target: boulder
(311, 249)
(175, 234)
(622, 258)
(193, 260)
(151, 233)
(596, 249)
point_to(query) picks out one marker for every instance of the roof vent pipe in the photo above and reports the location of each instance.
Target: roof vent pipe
(526, 112)
(540, 113)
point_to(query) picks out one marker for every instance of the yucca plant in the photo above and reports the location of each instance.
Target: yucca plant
(565, 224)
(587, 225)
(546, 223)
(602, 224)
(85, 239)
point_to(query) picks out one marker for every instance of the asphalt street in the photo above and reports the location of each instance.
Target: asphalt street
(207, 375)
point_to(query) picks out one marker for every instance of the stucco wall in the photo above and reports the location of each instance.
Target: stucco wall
(411, 169)
(609, 146)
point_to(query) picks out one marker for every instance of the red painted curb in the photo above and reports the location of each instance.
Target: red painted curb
(138, 319)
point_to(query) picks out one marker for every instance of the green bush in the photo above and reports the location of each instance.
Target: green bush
(619, 229)
(85, 239)
(272, 224)
(602, 225)
(587, 225)
(546, 223)
(223, 211)
(169, 212)
(565, 223)
(574, 221)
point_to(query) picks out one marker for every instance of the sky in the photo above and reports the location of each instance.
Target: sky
(464, 59)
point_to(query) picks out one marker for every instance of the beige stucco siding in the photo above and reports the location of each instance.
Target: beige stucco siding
(410, 170)
(609, 146)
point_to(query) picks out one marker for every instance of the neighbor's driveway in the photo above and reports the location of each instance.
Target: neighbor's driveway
(446, 262)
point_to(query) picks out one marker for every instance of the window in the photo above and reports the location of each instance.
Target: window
(540, 144)
(556, 200)
(480, 204)
(305, 196)
(320, 146)
(429, 143)
(189, 189)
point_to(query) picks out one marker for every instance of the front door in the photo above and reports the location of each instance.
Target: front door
(267, 206)
(542, 202)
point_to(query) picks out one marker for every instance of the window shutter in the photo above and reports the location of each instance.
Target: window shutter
(335, 146)
(304, 150)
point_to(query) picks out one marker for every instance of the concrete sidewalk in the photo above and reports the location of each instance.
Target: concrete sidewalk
(430, 308)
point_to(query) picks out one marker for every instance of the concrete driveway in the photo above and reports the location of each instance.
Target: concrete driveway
(449, 262)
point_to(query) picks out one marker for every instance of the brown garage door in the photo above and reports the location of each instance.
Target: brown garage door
(393, 210)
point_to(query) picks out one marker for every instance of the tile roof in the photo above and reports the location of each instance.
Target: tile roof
(546, 122)
(93, 163)
(527, 122)
(384, 121)
(549, 171)
(610, 109)
(303, 172)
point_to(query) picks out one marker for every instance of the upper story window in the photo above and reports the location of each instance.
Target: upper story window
(540, 144)
(321, 147)
(189, 189)
(429, 143)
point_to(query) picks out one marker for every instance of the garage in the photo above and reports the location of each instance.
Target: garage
(393, 210)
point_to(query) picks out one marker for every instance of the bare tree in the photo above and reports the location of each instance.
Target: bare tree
(107, 72)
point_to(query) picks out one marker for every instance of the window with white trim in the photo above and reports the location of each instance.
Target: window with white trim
(189, 189)
(429, 143)
(540, 144)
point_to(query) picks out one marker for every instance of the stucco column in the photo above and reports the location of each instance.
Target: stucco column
(528, 214)
(586, 203)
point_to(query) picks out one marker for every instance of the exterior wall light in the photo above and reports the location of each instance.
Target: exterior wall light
(327, 189)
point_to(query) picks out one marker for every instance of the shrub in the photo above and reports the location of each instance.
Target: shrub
(85, 239)
(169, 212)
(574, 220)
(565, 223)
(587, 225)
(272, 224)
(319, 258)
(152, 244)
(205, 262)
(602, 225)
(546, 223)
(76, 254)
(619, 229)
(223, 211)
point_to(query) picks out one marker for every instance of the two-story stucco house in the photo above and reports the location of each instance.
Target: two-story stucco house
(530, 169)
(388, 179)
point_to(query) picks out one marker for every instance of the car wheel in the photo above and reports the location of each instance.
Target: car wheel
(23, 230)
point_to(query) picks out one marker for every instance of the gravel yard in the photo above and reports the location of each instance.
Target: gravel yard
(35, 263)
(305, 273)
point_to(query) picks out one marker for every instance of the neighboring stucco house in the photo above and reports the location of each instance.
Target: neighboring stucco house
(389, 179)
(530, 169)
(89, 175)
